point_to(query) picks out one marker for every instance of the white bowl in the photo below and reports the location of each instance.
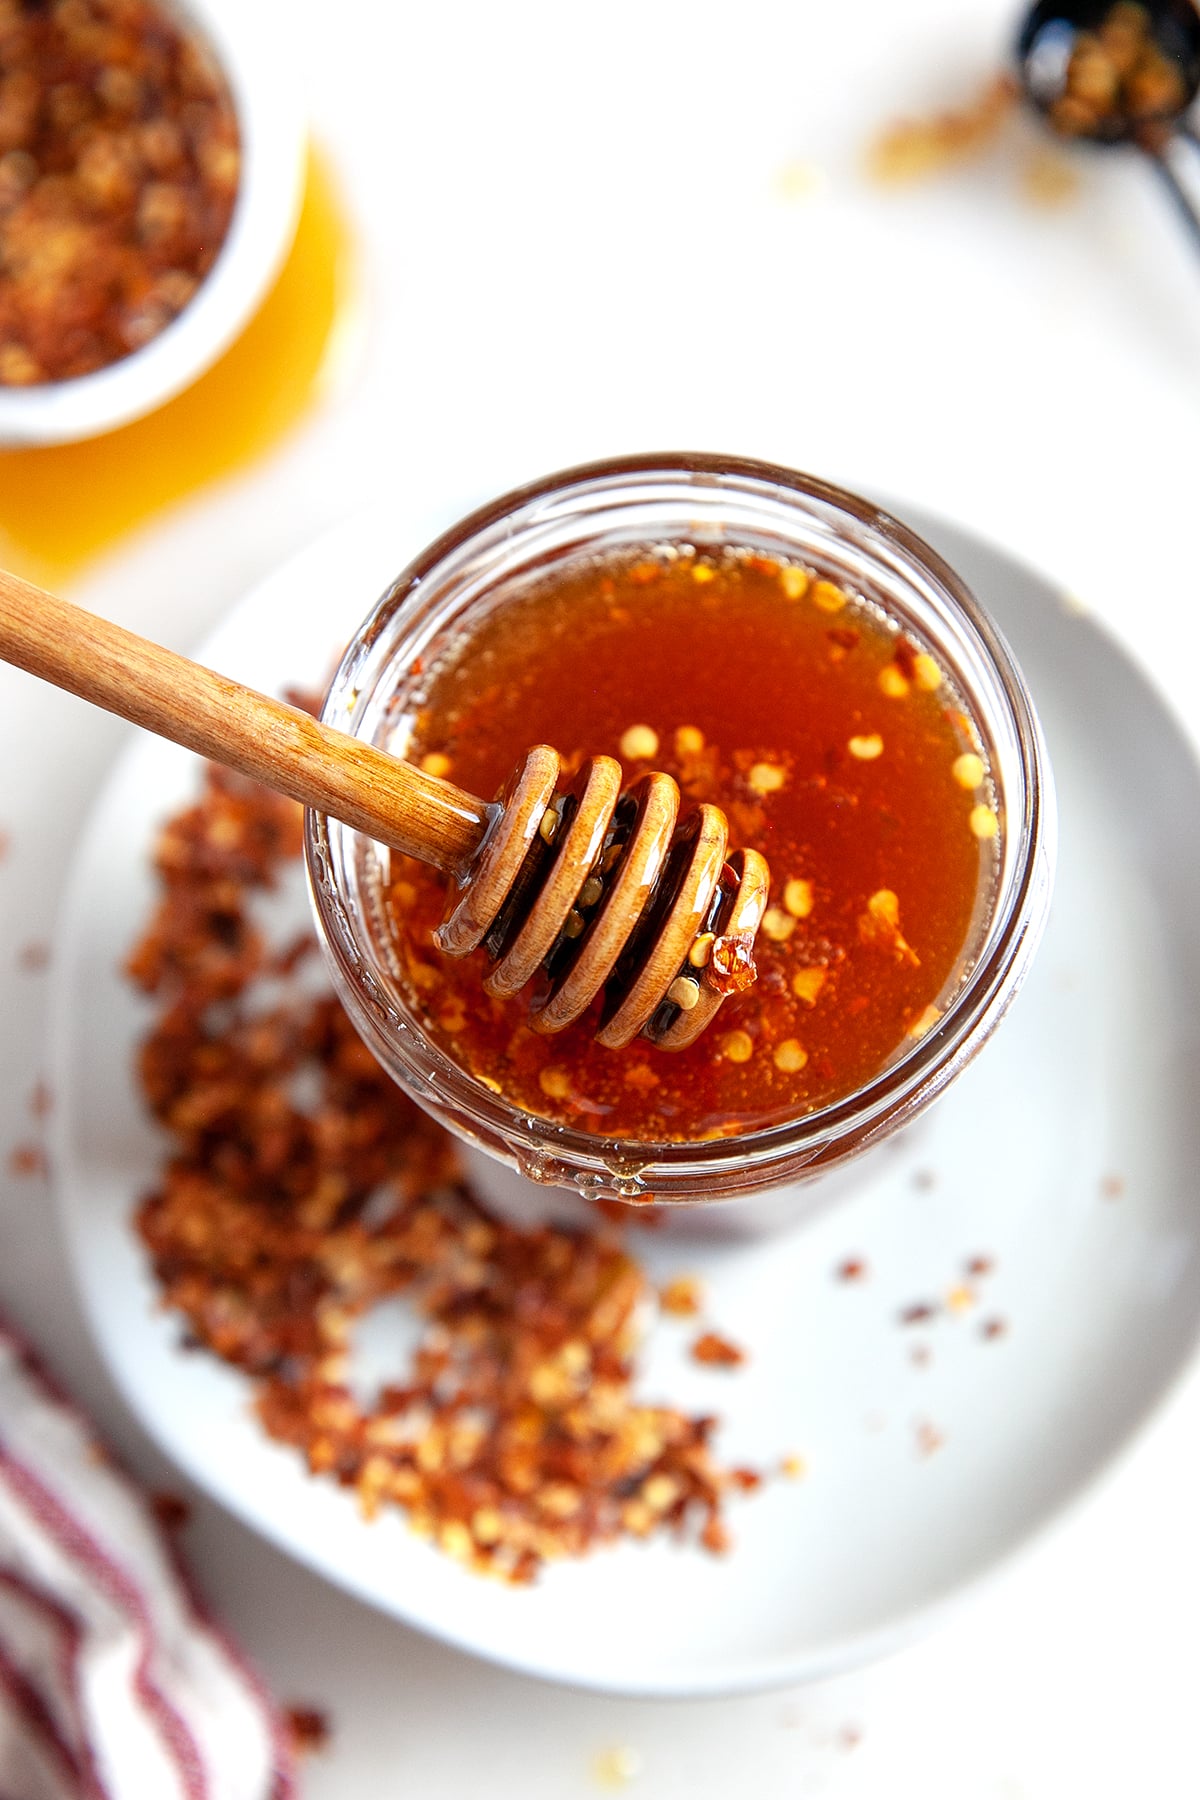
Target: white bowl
(1094, 1077)
(250, 40)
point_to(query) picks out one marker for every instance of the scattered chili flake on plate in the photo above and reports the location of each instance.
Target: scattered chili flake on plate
(28, 1159)
(682, 1298)
(302, 1189)
(929, 1439)
(718, 1352)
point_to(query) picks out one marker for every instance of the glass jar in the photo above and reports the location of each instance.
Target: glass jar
(709, 503)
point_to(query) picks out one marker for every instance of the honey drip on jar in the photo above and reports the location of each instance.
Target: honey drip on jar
(62, 504)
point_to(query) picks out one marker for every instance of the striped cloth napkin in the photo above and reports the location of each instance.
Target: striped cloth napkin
(114, 1685)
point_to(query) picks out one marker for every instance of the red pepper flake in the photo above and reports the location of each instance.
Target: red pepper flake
(305, 700)
(980, 1265)
(682, 1297)
(640, 1211)
(292, 955)
(33, 958)
(1112, 1187)
(716, 1538)
(853, 1269)
(309, 1728)
(28, 1159)
(172, 1511)
(746, 1479)
(929, 1439)
(918, 1314)
(994, 1328)
(717, 1352)
(905, 658)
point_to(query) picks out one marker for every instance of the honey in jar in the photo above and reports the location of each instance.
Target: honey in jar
(836, 745)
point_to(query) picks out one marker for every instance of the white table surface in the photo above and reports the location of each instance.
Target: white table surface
(577, 242)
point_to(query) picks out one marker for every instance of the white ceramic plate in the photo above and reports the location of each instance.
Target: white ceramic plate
(1089, 1084)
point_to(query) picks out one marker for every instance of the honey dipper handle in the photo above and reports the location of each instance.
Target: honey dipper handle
(276, 744)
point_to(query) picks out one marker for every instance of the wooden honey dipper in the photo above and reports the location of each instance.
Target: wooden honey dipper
(594, 887)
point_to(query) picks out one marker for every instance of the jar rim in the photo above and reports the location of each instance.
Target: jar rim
(771, 1152)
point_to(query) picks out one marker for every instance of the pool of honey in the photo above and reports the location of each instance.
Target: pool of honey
(62, 504)
(834, 744)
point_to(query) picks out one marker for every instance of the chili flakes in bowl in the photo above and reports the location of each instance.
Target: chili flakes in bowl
(119, 170)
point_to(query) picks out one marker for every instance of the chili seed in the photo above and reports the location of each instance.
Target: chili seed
(968, 770)
(639, 743)
(866, 748)
(684, 993)
(807, 984)
(766, 778)
(777, 924)
(798, 898)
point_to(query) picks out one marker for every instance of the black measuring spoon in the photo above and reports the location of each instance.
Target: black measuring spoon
(1069, 56)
